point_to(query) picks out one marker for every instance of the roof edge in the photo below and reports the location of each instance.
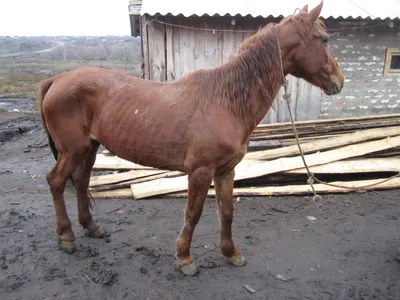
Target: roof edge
(347, 18)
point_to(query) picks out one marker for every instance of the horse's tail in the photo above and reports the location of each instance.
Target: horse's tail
(43, 91)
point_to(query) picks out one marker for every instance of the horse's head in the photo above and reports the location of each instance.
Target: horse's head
(304, 39)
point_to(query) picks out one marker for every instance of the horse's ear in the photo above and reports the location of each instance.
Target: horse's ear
(316, 11)
(305, 8)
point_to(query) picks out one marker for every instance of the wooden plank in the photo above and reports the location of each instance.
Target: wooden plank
(177, 42)
(128, 183)
(356, 137)
(199, 45)
(321, 130)
(263, 145)
(180, 183)
(156, 51)
(212, 51)
(287, 127)
(186, 47)
(353, 166)
(170, 57)
(305, 189)
(228, 40)
(115, 162)
(120, 193)
(124, 176)
(320, 188)
(248, 169)
(145, 47)
(309, 102)
(159, 187)
(328, 121)
(386, 153)
(272, 190)
(255, 169)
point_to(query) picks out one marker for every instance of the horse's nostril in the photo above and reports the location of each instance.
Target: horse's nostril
(335, 88)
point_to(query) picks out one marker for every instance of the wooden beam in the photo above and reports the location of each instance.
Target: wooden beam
(115, 163)
(120, 177)
(359, 136)
(367, 165)
(323, 128)
(119, 193)
(330, 121)
(159, 187)
(145, 47)
(272, 190)
(250, 169)
(128, 183)
(306, 189)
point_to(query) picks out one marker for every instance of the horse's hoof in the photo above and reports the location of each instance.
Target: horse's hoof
(98, 234)
(189, 270)
(238, 261)
(68, 247)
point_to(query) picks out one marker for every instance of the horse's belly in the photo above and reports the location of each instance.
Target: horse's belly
(159, 150)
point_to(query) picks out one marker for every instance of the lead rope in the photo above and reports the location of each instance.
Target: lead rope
(311, 178)
(287, 97)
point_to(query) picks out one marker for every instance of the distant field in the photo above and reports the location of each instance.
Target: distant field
(24, 45)
(21, 77)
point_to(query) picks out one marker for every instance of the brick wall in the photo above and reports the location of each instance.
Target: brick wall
(361, 54)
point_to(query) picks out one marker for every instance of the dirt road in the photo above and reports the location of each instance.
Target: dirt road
(346, 252)
(32, 53)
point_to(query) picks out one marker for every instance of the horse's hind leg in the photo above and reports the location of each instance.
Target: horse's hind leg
(224, 188)
(81, 177)
(57, 179)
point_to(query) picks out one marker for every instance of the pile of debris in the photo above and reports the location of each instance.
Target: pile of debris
(346, 153)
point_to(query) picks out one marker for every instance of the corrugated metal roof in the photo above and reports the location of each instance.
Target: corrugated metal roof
(347, 9)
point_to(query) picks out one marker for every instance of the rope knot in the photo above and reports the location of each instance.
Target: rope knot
(317, 198)
(287, 97)
(285, 81)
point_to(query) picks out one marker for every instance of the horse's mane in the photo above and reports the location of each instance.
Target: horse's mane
(252, 72)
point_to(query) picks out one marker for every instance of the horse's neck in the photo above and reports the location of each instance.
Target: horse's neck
(261, 105)
(261, 102)
(264, 93)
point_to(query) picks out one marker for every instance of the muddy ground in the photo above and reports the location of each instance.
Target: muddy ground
(347, 252)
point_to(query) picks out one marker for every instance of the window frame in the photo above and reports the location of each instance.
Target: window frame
(388, 59)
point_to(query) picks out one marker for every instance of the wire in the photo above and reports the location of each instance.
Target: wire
(197, 28)
(362, 8)
(149, 23)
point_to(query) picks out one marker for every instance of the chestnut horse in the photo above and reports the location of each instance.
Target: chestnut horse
(199, 124)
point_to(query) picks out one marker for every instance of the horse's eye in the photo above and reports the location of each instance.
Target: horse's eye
(325, 39)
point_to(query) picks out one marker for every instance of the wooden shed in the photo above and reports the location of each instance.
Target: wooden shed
(179, 36)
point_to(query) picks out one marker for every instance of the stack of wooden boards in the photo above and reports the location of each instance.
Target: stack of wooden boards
(351, 152)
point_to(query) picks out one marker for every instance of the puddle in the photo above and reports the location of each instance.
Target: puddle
(17, 105)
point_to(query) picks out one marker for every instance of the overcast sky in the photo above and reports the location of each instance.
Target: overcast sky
(68, 17)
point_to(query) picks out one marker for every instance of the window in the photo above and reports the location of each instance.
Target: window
(392, 62)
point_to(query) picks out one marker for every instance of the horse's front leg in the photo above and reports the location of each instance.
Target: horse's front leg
(224, 189)
(199, 183)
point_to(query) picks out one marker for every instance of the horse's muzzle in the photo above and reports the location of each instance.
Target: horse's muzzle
(335, 89)
(336, 86)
